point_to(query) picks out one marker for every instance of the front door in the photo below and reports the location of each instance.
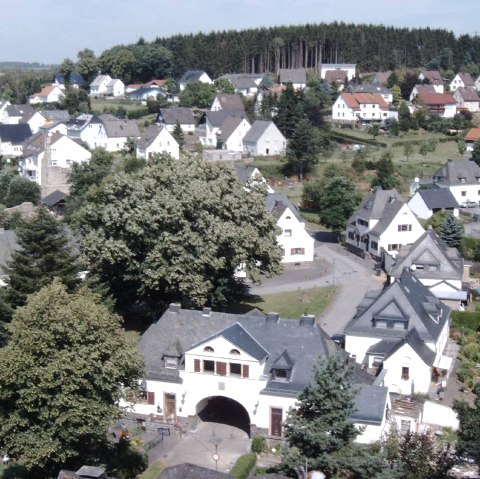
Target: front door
(276, 421)
(169, 406)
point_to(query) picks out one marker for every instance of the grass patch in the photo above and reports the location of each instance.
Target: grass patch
(153, 470)
(291, 304)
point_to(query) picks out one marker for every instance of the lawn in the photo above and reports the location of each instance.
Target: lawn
(291, 304)
(153, 470)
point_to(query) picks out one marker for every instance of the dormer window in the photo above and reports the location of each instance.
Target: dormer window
(171, 362)
(208, 349)
(235, 351)
(280, 374)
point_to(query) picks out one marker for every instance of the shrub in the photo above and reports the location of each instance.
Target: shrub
(259, 444)
(243, 466)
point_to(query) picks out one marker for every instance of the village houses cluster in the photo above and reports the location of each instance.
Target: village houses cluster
(260, 362)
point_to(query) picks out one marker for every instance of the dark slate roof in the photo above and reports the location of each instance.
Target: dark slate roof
(191, 75)
(191, 471)
(16, 134)
(20, 110)
(258, 129)
(244, 172)
(370, 404)
(74, 78)
(228, 127)
(457, 172)
(237, 335)
(438, 198)
(149, 136)
(121, 128)
(429, 250)
(277, 203)
(170, 116)
(292, 75)
(242, 81)
(55, 115)
(230, 102)
(91, 471)
(8, 244)
(217, 118)
(258, 334)
(54, 198)
(406, 300)
(371, 88)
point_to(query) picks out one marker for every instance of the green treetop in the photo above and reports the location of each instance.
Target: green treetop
(451, 231)
(61, 377)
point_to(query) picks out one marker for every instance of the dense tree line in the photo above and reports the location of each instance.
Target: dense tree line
(372, 47)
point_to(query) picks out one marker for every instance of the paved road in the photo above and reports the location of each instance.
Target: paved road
(333, 266)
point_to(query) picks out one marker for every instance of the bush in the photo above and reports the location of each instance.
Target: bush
(243, 466)
(259, 444)
(466, 320)
(470, 246)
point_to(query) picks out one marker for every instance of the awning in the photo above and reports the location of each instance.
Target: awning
(444, 362)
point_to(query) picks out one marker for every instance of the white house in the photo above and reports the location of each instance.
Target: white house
(213, 121)
(115, 87)
(118, 132)
(462, 178)
(157, 139)
(48, 94)
(35, 120)
(296, 76)
(417, 89)
(15, 114)
(441, 104)
(436, 265)
(106, 85)
(44, 151)
(467, 98)
(349, 68)
(193, 75)
(169, 117)
(89, 129)
(351, 107)
(472, 136)
(428, 201)
(462, 80)
(251, 367)
(434, 78)
(12, 138)
(297, 245)
(250, 176)
(244, 83)
(401, 333)
(231, 133)
(384, 92)
(265, 139)
(3, 110)
(384, 221)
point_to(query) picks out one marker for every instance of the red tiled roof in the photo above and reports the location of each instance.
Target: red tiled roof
(336, 75)
(437, 98)
(156, 82)
(46, 90)
(434, 76)
(473, 134)
(354, 100)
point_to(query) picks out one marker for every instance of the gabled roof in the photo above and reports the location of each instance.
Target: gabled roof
(437, 98)
(244, 172)
(468, 93)
(259, 127)
(229, 126)
(371, 88)
(457, 172)
(159, 83)
(429, 250)
(91, 471)
(416, 305)
(46, 90)
(99, 80)
(55, 115)
(145, 90)
(182, 114)
(54, 198)
(354, 100)
(277, 203)
(473, 134)
(230, 102)
(370, 404)
(37, 143)
(382, 77)
(242, 81)
(466, 79)
(121, 128)
(425, 89)
(338, 66)
(293, 75)
(438, 198)
(284, 361)
(217, 118)
(149, 136)
(191, 75)
(19, 110)
(15, 134)
(336, 76)
(434, 77)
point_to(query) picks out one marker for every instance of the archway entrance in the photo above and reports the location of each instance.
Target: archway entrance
(225, 411)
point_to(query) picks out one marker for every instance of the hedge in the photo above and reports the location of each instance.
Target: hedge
(466, 320)
(356, 139)
(243, 466)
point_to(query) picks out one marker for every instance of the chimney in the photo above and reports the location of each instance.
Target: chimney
(272, 317)
(207, 312)
(307, 320)
(174, 307)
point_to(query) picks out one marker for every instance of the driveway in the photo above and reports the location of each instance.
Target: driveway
(352, 276)
(198, 446)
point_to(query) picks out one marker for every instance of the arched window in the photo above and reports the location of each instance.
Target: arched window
(208, 349)
(234, 351)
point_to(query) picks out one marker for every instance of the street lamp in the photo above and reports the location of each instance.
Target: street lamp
(215, 440)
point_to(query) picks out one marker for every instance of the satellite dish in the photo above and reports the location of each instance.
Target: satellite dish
(413, 267)
(417, 179)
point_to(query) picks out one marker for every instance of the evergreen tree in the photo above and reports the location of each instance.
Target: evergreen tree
(21, 190)
(290, 110)
(62, 373)
(404, 117)
(385, 177)
(319, 429)
(178, 135)
(303, 149)
(476, 153)
(452, 231)
(43, 255)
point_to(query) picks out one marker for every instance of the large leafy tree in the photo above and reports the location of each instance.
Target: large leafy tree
(20, 190)
(61, 378)
(44, 254)
(87, 65)
(177, 230)
(197, 94)
(336, 198)
(319, 429)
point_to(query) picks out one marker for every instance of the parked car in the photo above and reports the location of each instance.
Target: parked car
(469, 204)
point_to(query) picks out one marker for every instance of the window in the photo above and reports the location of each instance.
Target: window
(287, 233)
(374, 245)
(404, 227)
(381, 324)
(208, 349)
(235, 369)
(351, 235)
(296, 251)
(393, 247)
(54, 163)
(234, 351)
(464, 193)
(405, 373)
(171, 362)
(362, 222)
(280, 374)
(208, 366)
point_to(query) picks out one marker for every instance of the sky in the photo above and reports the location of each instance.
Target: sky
(48, 31)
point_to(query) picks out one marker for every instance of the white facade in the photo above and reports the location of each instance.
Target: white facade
(270, 143)
(115, 88)
(362, 107)
(420, 208)
(7, 148)
(235, 141)
(470, 105)
(49, 94)
(457, 82)
(36, 121)
(296, 243)
(164, 142)
(349, 68)
(204, 78)
(93, 133)
(3, 111)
